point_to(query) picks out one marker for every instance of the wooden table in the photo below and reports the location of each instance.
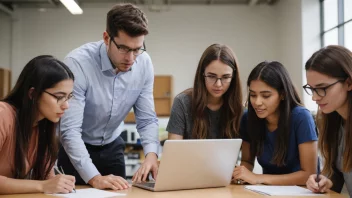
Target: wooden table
(225, 192)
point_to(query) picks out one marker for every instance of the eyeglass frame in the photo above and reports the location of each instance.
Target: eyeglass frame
(305, 87)
(129, 49)
(222, 83)
(58, 98)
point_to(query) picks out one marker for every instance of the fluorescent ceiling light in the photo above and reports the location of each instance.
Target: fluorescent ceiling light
(72, 6)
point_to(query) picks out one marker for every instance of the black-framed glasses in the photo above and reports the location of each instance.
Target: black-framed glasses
(321, 91)
(60, 99)
(213, 79)
(125, 50)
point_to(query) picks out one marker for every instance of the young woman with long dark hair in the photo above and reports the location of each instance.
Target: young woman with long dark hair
(213, 107)
(28, 117)
(277, 129)
(329, 74)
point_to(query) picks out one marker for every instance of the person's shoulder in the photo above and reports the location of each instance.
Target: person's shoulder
(7, 118)
(86, 51)
(185, 98)
(299, 109)
(300, 112)
(6, 109)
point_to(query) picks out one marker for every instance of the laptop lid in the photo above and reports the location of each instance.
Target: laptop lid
(190, 164)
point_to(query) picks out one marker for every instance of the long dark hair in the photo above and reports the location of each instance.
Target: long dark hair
(40, 73)
(276, 76)
(232, 107)
(334, 61)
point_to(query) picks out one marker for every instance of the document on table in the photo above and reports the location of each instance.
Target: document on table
(281, 190)
(89, 193)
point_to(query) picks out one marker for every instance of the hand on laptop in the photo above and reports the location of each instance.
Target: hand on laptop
(150, 164)
(109, 182)
(242, 173)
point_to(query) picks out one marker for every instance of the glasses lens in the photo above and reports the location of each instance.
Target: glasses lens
(210, 79)
(138, 52)
(320, 92)
(226, 80)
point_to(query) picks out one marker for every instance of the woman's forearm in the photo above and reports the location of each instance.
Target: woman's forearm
(18, 186)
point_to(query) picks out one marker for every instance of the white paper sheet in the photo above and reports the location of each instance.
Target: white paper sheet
(89, 193)
(281, 190)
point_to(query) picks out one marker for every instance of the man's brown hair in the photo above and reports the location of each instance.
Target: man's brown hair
(128, 18)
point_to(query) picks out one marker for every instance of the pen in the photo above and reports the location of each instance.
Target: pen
(62, 173)
(317, 179)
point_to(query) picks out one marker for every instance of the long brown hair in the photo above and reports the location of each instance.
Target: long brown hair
(232, 108)
(40, 73)
(276, 76)
(334, 61)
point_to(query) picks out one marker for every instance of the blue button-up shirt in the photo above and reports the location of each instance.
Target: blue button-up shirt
(102, 99)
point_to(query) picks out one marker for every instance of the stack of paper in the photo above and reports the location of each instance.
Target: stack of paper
(281, 190)
(89, 193)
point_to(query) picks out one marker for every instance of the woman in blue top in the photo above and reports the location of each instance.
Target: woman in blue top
(277, 130)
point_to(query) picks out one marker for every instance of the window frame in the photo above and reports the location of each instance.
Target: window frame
(340, 23)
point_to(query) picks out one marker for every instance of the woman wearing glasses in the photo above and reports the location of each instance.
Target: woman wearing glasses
(277, 130)
(329, 73)
(28, 117)
(213, 107)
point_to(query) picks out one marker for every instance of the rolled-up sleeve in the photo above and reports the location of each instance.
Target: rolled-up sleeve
(147, 122)
(71, 125)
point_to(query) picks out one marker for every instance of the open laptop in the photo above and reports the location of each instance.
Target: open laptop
(190, 164)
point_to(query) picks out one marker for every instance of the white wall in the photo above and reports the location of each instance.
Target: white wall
(310, 40)
(176, 41)
(290, 39)
(5, 40)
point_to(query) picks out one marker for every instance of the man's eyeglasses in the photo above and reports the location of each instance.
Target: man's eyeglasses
(321, 91)
(213, 79)
(125, 50)
(60, 99)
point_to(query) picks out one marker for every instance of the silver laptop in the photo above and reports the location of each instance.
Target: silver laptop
(190, 164)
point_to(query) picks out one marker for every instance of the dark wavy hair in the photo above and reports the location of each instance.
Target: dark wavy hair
(276, 76)
(40, 73)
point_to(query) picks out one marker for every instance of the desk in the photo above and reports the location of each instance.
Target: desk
(227, 192)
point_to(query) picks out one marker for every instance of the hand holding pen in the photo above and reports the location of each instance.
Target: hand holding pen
(318, 183)
(58, 184)
(62, 173)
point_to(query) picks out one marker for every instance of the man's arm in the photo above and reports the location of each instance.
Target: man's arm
(71, 125)
(147, 126)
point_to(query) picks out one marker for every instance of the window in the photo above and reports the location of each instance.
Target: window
(336, 24)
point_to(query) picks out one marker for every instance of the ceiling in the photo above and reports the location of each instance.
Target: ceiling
(9, 5)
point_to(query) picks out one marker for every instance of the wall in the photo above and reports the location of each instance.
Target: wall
(290, 39)
(5, 40)
(310, 40)
(176, 41)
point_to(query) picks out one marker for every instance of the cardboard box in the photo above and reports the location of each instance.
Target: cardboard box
(5, 82)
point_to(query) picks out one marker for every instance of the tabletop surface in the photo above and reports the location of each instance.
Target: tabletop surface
(223, 192)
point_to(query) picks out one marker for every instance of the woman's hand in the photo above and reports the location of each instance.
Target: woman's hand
(59, 184)
(242, 173)
(322, 186)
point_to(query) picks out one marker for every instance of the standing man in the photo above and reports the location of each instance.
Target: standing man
(111, 77)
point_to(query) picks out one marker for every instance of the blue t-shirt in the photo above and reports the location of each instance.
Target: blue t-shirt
(302, 130)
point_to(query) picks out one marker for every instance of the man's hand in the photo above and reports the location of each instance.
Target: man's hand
(150, 164)
(109, 182)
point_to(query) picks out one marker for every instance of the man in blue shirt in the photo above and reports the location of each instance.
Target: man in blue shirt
(111, 77)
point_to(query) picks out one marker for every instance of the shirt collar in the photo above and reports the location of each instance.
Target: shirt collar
(105, 61)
